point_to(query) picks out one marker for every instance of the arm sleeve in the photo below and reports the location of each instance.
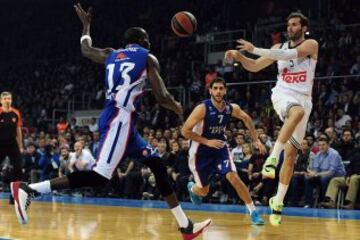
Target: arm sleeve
(334, 160)
(276, 54)
(315, 165)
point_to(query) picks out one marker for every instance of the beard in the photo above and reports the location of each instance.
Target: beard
(216, 99)
(296, 36)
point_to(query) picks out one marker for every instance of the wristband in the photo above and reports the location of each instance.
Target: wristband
(85, 37)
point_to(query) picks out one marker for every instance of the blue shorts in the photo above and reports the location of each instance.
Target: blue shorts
(205, 162)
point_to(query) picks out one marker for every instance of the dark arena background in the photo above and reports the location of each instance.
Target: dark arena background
(60, 95)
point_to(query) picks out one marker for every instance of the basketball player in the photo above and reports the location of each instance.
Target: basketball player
(209, 154)
(291, 97)
(126, 73)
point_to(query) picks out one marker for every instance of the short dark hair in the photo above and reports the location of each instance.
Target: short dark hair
(307, 142)
(348, 130)
(304, 21)
(324, 139)
(217, 80)
(134, 35)
(239, 134)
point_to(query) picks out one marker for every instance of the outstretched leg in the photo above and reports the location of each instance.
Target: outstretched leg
(295, 116)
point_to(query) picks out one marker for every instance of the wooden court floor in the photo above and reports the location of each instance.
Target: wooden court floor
(68, 221)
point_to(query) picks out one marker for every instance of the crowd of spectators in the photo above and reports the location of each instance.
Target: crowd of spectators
(48, 72)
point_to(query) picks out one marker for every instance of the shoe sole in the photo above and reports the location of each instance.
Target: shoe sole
(20, 213)
(273, 222)
(258, 224)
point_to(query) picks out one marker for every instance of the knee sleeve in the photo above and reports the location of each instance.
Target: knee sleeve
(86, 179)
(161, 176)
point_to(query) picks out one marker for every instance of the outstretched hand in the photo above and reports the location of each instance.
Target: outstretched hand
(231, 56)
(85, 17)
(245, 45)
(260, 146)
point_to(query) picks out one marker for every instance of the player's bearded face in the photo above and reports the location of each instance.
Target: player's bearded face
(295, 30)
(218, 92)
(296, 35)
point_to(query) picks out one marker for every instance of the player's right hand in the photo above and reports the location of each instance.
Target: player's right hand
(231, 56)
(85, 17)
(215, 143)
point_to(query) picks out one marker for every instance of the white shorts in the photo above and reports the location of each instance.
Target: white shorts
(282, 101)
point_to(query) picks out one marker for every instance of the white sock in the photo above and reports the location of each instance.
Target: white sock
(180, 216)
(281, 192)
(41, 187)
(251, 207)
(278, 147)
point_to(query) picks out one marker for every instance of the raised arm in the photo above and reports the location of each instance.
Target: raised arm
(241, 115)
(95, 54)
(163, 97)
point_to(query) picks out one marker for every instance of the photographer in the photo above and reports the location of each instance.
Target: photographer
(49, 163)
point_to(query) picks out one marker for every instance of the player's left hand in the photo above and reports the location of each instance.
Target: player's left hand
(262, 149)
(245, 45)
(231, 56)
(85, 17)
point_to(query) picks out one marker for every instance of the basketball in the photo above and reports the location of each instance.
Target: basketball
(183, 24)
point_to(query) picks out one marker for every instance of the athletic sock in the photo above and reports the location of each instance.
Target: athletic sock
(41, 187)
(180, 216)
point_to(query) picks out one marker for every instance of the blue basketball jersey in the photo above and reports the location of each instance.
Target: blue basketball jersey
(204, 161)
(126, 76)
(214, 123)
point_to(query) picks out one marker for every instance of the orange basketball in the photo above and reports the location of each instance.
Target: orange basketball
(183, 24)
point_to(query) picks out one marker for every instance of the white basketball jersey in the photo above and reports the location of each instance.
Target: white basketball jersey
(297, 74)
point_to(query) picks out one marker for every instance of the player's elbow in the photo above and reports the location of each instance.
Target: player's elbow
(247, 120)
(184, 132)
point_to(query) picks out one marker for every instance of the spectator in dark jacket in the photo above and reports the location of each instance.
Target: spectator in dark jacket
(346, 145)
(303, 162)
(181, 172)
(49, 163)
(31, 168)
